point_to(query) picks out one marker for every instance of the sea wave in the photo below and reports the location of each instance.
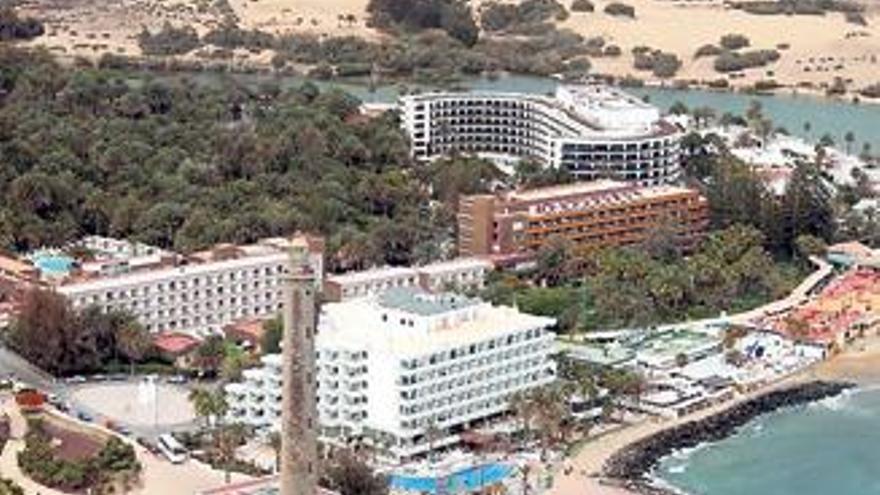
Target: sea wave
(677, 469)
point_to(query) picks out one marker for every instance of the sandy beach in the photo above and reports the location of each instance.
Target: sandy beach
(682, 27)
(860, 364)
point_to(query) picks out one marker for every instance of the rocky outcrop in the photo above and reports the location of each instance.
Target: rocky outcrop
(631, 466)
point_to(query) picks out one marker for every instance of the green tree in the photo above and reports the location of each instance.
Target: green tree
(134, 342)
(849, 138)
(273, 331)
(347, 474)
(208, 405)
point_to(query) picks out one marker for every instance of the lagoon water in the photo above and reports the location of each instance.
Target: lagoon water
(789, 111)
(827, 448)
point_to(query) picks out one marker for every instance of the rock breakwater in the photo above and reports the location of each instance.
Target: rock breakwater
(631, 466)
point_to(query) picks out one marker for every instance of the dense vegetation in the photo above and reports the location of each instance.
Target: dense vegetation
(184, 166)
(413, 54)
(169, 40)
(114, 463)
(58, 339)
(737, 61)
(652, 284)
(497, 16)
(797, 7)
(346, 474)
(452, 16)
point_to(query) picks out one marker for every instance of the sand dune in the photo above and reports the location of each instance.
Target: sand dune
(821, 47)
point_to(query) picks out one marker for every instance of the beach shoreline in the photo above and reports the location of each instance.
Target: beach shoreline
(858, 365)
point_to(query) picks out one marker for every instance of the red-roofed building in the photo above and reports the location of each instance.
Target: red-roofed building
(247, 334)
(176, 347)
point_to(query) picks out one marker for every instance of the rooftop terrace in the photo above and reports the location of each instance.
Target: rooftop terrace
(419, 302)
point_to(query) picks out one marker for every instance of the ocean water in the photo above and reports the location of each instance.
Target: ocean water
(828, 448)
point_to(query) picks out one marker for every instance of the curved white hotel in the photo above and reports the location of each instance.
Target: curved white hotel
(594, 131)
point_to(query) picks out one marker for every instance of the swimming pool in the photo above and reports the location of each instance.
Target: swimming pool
(53, 264)
(466, 480)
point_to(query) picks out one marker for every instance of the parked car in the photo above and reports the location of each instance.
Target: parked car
(177, 379)
(72, 380)
(84, 416)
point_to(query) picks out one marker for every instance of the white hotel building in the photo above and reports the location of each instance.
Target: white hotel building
(198, 294)
(460, 275)
(394, 366)
(594, 131)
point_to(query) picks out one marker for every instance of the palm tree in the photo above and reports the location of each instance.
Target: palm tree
(433, 432)
(523, 406)
(849, 138)
(134, 342)
(208, 405)
(275, 443)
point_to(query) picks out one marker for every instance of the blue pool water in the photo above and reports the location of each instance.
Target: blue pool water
(466, 480)
(52, 264)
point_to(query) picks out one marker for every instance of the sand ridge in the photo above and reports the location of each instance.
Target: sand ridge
(821, 47)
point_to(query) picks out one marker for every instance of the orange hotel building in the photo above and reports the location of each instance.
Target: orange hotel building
(510, 226)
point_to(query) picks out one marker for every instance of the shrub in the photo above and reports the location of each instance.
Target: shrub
(38, 461)
(169, 40)
(13, 27)
(9, 487)
(453, 16)
(621, 10)
(630, 82)
(766, 85)
(612, 51)
(734, 62)
(582, 6)
(322, 72)
(501, 16)
(856, 18)
(661, 64)
(708, 51)
(720, 83)
(734, 41)
(871, 91)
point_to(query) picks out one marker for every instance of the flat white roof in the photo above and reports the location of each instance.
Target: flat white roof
(601, 191)
(153, 276)
(454, 265)
(357, 325)
(380, 273)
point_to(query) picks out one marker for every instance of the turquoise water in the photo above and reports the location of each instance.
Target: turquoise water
(467, 480)
(789, 111)
(831, 447)
(51, 264)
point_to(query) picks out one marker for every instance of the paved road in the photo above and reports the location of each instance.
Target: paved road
(10, 362)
